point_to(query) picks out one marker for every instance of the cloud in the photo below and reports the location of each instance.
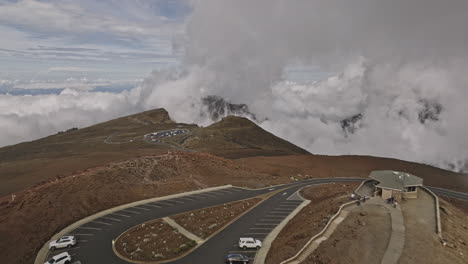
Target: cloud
(399, 89)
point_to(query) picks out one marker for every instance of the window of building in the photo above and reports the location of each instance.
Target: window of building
(411, 188)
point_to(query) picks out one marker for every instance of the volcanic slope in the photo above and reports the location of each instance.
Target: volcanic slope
(26, 164)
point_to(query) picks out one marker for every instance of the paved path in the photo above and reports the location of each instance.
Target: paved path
(397, 237)
(182, 230)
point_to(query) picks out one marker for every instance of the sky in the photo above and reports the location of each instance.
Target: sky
(336, 77)
(58, 39)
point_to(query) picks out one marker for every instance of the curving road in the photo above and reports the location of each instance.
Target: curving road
(94, 238)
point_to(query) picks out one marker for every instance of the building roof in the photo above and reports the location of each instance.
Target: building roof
(395, 180)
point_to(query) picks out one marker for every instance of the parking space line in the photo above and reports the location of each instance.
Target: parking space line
(119, 214)
(207, 195)
(271, 221)
(165, 203)
(260, 228)
(141, 208)
(148, 205)
(187, 199)
(90, 228)
(225, 191)
(152, 205)
(175, 201)
(274, 216)
(130, 211)
(99, 222)
(110, 218)
(283, 209)
(259, 224)
(291, 202)
(279, 213)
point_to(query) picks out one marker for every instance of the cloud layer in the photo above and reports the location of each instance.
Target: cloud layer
(399, 88)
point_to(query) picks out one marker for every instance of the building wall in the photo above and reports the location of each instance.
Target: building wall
(410, 195)
(386, 194)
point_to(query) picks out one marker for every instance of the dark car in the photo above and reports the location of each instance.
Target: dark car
(237, 258)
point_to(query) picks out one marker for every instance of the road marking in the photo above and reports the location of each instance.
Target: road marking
(285, 193)
(130, 211)
(99, 222)
(257, 233)
(275, 216)
(279, 213)
(270, 220)
(110, 218)
(259, 224)
(225, 191)
(90, 228)
(152, 205)
(207, 195)
(291, 202)
(141, 208)
(260, 228)
(119, 214)
(280, 209)
(79, 234)
(288, 206)
(188, 198)
(145, 206)
(175, 201)
(165, 203)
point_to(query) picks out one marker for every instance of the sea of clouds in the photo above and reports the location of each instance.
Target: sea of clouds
(398, 88)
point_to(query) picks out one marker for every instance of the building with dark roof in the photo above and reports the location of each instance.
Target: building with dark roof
(399, 185)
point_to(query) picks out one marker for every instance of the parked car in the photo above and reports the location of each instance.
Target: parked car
(237, 258)
(249, 242)
(62, 258)
(63, 242)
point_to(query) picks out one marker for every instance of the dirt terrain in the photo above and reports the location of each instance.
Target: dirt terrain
(361, 238)
(153, 241)
(325, 201)
(205, 222)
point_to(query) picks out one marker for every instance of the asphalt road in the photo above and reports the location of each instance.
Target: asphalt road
(94, 238)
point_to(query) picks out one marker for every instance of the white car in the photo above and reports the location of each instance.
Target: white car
(63, 242)
(62, 258)
(249, 242)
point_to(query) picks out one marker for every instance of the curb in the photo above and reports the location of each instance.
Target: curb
(338, 180)
(42, 254)
(436, 199)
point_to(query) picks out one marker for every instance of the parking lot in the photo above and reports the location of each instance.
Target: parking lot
(91, 234)
(265, 224)
(95, 238)
(156, 137)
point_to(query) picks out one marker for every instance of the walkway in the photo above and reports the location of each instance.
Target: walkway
(397, 237)
(182, 230)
